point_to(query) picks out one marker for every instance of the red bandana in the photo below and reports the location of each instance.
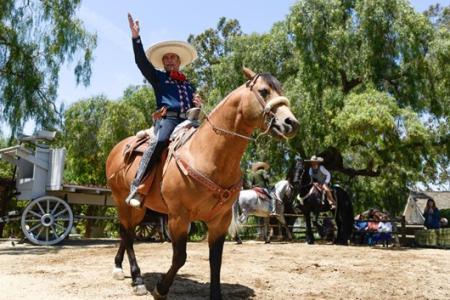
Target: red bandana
(175, 75)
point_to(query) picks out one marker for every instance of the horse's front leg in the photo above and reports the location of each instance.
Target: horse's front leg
(309, 233)
(266, 230)
(178, 227)
(217, 231)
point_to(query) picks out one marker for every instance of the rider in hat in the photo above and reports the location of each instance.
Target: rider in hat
(322, 176)
(260, 178)
(175, 95)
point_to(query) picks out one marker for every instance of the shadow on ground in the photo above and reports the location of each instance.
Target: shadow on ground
(184, 287)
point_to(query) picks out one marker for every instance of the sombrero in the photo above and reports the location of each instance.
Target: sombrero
(184, 50)
(260, 165)
(315, 159)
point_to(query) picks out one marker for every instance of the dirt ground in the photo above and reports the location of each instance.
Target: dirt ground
(82, 270)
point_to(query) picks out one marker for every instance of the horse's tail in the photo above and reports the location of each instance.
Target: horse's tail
(344, 214)
(235, 224)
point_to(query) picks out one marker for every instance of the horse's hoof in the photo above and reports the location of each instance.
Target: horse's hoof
(156, 295)
(140, 290)
(118, 274)
(239, 242)
(266, 242)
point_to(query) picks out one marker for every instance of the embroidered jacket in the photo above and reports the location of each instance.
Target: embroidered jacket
(176, 95)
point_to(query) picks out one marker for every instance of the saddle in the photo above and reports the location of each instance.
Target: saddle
(141, 141)
(262, 193)
(138, 144)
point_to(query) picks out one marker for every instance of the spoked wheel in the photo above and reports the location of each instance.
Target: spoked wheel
(47, 220)
(147, 231)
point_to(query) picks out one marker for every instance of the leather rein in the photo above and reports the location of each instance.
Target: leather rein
(267, 112)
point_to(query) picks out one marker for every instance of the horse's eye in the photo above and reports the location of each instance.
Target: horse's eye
(264, 92)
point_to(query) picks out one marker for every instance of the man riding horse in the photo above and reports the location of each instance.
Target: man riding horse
(322, 177)
(175, 95)
(260, 179)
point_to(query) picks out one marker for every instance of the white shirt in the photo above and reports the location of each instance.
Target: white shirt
(324, 172)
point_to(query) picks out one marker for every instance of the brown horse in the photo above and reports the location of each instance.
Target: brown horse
(201, 180)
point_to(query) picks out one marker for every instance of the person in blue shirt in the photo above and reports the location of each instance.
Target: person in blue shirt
(175, 95)
(432, 215)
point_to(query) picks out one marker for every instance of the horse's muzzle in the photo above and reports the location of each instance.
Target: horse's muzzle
(285, 125)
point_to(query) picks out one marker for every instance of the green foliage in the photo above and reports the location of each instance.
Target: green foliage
(36, 38)
(94, 126)
(369, 75)
(445, 213)
(6, 170)
(85, 161)
(369, 82)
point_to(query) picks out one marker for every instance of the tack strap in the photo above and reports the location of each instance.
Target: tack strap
(223, 193)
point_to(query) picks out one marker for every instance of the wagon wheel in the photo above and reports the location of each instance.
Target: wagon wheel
(148, 231)
(47, 220)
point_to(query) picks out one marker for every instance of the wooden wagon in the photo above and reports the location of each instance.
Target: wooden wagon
(48, 217)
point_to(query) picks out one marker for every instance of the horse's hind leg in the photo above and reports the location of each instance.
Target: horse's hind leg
(283, 223)
(178, 228)
(266, 231)
(118, 271)
(127, 236)
(237, 239)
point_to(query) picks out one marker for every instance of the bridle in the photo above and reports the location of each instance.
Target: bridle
(267, 113)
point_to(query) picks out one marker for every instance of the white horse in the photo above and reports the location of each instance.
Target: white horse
(250, 204)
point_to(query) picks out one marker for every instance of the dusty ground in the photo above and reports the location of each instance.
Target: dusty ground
(82, 270)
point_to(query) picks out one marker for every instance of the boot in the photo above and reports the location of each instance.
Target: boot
(331, 200)
(273, 212)
(149, 158)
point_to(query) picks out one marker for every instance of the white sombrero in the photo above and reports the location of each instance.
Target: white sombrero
(184, 50)
(260, 165)
(314, 158)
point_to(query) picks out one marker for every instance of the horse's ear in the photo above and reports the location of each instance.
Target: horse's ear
(248, 73)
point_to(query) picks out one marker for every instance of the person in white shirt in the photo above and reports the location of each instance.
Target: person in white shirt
(322, 176)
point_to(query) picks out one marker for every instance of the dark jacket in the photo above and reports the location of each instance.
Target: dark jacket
(432, 219)
(176, 95)
(260, 179)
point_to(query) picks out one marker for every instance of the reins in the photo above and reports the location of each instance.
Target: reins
(269, 116)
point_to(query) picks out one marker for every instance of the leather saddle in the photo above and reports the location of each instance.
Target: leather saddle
(141, 141)
(262, 193)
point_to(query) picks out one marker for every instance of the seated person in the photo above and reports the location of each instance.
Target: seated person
(321, 175)
(260, 178)
(431, 215)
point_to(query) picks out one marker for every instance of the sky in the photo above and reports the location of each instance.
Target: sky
(113, 68)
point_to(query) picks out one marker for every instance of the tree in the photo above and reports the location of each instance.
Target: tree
(36, 38)
(376, 87)
(91, 129)
(369, 82)
(85, 162)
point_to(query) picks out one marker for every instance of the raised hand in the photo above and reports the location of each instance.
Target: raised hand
(198, 100)
(134, 26)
